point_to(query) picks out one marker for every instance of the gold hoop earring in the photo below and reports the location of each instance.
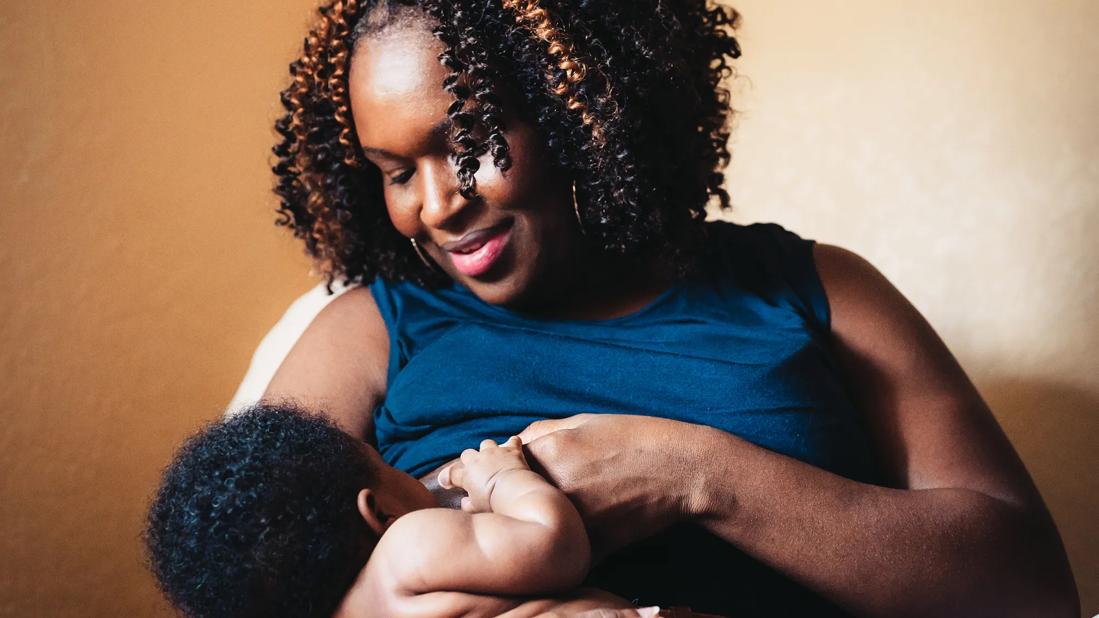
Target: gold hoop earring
(420, 252)
(576, 209)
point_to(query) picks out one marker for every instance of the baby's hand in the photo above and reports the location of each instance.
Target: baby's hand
(478, 471)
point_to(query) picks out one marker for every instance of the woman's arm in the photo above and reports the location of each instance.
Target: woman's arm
(965, 534)
(339, 364)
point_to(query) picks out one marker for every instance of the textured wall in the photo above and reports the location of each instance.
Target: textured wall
(956, 146)
(139, 268)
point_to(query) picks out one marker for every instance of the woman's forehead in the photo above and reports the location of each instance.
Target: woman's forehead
(396, 78)
(399, 61)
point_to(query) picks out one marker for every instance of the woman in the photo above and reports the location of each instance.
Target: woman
(521, 186)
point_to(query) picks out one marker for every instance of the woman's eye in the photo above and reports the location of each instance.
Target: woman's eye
(401, 178)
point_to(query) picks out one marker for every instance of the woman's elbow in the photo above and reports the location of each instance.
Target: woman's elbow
(1059, 596)
(1048, 582)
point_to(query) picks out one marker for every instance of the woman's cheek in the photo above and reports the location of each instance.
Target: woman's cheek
(401, 214)
(491, 179)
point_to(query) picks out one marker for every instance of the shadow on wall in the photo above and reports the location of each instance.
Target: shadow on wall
(1055, 428)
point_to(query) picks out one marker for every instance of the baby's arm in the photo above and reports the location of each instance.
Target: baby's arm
(516, 534)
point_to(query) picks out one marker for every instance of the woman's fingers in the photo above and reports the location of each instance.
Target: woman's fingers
(537, 429)
(488, 444)
(619, 473)
(645, 612)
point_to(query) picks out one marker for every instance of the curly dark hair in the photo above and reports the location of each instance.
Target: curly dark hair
(627, 96)
(257, 517)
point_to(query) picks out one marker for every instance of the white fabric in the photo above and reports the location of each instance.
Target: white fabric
(278, 342)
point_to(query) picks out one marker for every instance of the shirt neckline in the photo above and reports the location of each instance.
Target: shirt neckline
(645, 310)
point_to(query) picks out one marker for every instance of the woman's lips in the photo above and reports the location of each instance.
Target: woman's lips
(477, 261)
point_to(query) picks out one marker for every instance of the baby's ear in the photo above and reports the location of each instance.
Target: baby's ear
(372, 514)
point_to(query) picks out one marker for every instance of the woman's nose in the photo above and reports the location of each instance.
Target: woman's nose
(441, 202)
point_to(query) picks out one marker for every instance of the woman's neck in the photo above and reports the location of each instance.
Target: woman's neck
(600, 287)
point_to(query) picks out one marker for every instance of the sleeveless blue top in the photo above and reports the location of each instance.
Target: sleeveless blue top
(746, 351)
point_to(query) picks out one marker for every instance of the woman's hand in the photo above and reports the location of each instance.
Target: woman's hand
(960, 530)
(629, 476)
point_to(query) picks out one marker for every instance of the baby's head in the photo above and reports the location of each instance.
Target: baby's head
(272, 512)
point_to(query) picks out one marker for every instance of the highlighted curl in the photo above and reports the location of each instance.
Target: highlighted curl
(571, 70)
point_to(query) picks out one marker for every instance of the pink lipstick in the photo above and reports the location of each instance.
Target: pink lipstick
(476, 252)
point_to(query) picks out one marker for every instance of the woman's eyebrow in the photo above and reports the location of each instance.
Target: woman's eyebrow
(438, 134)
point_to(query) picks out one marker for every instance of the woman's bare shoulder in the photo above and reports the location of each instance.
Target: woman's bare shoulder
(932, 427)
(339, 363)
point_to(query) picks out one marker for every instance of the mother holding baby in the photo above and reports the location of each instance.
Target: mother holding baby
(749, 423)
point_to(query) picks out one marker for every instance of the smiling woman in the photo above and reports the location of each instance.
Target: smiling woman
(517, 191)
(494, 241)
(631, 156)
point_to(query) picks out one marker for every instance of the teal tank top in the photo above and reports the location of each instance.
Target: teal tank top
(746, 350)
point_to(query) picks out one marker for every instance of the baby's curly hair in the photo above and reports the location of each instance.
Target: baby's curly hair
(257, 517)
(627, 96)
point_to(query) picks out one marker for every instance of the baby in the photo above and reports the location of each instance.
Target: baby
(277, 512)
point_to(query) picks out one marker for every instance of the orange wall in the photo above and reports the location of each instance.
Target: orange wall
(140, 267)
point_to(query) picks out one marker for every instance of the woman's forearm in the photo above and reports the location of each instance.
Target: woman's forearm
(880, 551)
(943, 549)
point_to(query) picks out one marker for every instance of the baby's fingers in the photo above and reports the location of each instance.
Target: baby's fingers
(452, 476)
(515, 445)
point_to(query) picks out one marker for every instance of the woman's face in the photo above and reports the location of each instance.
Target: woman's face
(511, 244)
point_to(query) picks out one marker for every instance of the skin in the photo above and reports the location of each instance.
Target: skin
(962, 531)
(475, 561)
(395, 76)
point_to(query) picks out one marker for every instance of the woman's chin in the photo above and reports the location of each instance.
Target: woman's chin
(501, 292)
(505, 284)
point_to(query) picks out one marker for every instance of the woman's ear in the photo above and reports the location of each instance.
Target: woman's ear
(372, 514)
